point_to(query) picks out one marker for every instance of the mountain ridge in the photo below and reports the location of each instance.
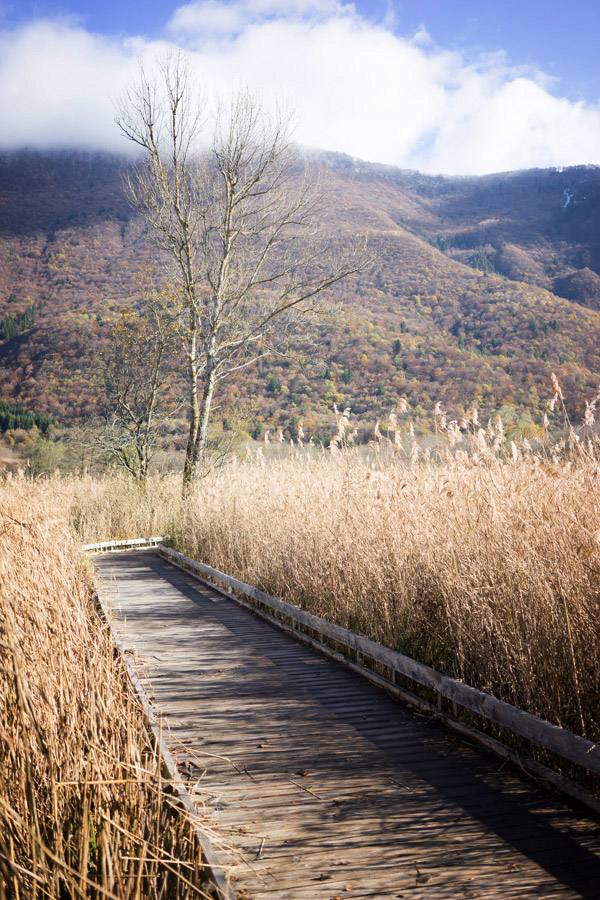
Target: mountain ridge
(459, 305)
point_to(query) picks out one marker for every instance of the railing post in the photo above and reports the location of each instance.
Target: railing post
(448, 693)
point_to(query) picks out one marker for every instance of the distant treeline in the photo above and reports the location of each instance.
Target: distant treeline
(12, 416)
(12, 325)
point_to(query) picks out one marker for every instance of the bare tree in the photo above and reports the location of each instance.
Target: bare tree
(137, 384)
(238, 222)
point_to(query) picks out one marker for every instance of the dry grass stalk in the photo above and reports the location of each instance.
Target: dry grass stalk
(479, 556)
(82, 811)
(485, 566)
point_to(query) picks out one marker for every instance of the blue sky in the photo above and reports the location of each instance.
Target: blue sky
(441, 85)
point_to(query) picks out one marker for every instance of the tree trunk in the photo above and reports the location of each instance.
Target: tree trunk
(199, 451)
(188, 468)
(144, 466)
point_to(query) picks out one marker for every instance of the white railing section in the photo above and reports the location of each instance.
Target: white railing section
(128, 544)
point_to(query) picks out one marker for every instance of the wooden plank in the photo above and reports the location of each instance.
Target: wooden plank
(558, 740)
(169, 768)
(454, 801)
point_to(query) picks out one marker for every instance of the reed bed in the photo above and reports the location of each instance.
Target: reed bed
(477, 554)
(83, 812)
(488, 572)
(486, 567)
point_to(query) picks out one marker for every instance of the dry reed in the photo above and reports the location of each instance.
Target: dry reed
(82, 810)
(484, 567)
(487, 572)
(476, 555)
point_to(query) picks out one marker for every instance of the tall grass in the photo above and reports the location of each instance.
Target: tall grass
(487, 568)
(475, 555)
(82, 809)
(490, 573)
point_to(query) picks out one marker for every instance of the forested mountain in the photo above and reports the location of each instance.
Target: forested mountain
(480, 287)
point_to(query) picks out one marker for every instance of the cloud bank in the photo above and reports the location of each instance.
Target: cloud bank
(358, 87)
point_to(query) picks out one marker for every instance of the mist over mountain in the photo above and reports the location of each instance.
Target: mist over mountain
(480, 288)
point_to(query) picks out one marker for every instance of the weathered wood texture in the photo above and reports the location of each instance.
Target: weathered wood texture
(564, 743)
(329, 787)
(217, 881)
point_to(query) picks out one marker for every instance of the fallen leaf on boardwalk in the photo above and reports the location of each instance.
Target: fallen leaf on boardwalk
(302, 772)
(323, 877)
(263, 745)
(423, 879)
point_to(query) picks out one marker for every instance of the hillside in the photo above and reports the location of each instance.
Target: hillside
(480, 288)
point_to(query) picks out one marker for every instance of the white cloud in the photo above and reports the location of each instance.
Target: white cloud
(358, 87)
(208, 18)
(56, 83)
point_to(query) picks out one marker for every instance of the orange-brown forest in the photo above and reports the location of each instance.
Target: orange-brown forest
(479, 288)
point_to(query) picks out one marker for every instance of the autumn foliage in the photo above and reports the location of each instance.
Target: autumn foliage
(462, 302)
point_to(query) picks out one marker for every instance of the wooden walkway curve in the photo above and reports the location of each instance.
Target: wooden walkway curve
(329, 787)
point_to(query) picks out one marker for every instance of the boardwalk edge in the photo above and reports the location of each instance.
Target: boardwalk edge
(519, 722)
(170, 771)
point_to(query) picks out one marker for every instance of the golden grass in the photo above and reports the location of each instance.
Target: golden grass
(490, 573)
(82, 810)
(486, 567)
(474, 555)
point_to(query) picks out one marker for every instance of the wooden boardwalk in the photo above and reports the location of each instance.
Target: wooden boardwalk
(326, 786)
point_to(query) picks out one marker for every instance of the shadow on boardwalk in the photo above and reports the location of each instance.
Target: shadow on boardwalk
(327, 785)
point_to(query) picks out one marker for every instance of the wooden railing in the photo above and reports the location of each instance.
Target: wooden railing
(386, 667)
(391, 670)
